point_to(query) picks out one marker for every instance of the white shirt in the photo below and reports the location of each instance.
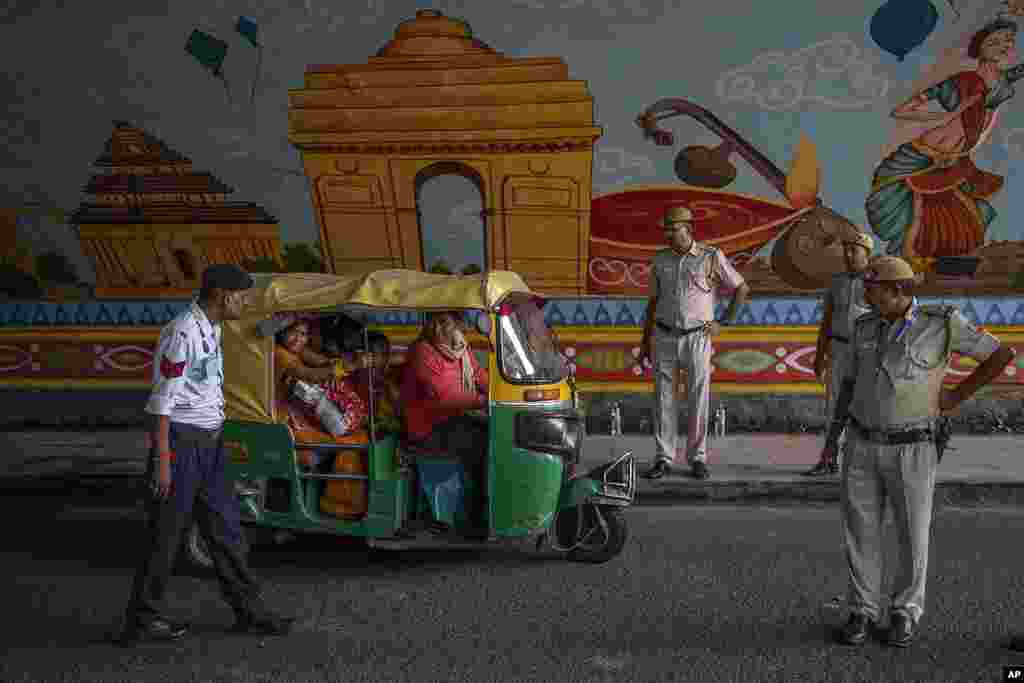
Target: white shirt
(188, 371)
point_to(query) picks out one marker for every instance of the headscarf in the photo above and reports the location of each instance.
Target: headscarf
(458, 350)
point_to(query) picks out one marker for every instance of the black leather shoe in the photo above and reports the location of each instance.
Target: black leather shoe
(1016, 643)
(822, 469)
(901, 631)
(659, 470)
(855, 632)
(156, 630)
(700, 470)
(263, 624)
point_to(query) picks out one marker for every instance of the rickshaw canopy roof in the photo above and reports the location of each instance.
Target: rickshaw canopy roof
(385, 289)
(248, 353)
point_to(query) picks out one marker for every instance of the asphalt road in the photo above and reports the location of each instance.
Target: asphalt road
(701, 593)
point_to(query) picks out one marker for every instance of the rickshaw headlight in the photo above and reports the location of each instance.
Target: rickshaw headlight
(555, 433)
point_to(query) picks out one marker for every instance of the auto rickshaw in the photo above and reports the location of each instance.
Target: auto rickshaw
(373, 484)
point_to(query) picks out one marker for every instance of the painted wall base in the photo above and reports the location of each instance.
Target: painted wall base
(109, 345)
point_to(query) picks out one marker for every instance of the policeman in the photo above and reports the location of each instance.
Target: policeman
(844, 303)
(681, 306)
(891, 396)
(186, 467)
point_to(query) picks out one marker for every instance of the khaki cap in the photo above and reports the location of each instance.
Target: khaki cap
(888, 269)
(861, 239)
(677, 214)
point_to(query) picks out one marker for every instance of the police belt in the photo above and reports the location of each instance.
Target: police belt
(668, 329)
(894, 438)
(197, 434)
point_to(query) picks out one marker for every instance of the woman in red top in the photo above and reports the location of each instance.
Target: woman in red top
(442, 383)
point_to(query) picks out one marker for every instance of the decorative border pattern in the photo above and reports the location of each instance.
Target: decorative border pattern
(752, 360)
(109, 344)
(604, 312)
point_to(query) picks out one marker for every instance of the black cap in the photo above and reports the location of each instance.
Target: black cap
(226, 276)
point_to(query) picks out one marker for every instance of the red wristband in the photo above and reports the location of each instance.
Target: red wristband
(167, 455)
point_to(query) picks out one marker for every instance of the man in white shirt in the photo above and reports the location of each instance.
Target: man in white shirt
(186, 467)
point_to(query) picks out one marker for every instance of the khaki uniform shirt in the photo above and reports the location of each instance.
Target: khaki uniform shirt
(848, 304)
(685, 285)
(899, 367)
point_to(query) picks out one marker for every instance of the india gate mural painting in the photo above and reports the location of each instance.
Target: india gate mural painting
(437, 101)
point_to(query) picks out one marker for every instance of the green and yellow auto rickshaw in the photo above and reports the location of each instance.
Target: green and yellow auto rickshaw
(373, 484)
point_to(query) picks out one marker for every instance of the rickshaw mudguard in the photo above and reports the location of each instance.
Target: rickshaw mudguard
(578, 491)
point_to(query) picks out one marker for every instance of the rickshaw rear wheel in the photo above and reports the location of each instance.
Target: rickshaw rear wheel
(593, 544)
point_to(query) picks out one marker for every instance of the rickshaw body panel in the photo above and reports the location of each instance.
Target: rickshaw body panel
(266, 453)
(524, 485)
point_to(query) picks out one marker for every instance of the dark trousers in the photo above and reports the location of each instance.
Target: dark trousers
(200, 488)
(465, 437)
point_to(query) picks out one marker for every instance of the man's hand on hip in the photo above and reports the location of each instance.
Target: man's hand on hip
(949, 399)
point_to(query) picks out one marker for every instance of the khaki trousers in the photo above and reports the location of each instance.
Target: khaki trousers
(840, 355)
(874, 475)
(692, 354)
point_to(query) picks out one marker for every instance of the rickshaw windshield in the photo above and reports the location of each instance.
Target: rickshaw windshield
(528, 351)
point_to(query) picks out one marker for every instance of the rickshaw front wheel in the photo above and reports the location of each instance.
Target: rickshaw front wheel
(197, 553)
(591, 533)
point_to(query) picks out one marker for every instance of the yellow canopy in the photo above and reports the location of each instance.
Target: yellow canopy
(248, 354)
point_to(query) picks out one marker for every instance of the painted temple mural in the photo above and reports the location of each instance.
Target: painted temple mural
(444, 150)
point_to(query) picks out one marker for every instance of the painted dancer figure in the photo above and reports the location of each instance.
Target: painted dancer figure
(892, 399)
(186, 467)
(844, 303)
(677, 333)
(928, 198)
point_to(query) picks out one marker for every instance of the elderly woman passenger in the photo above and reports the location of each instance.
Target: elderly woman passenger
(442, 383)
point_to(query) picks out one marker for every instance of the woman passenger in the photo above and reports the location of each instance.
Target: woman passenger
(385, 383)
(294, 360)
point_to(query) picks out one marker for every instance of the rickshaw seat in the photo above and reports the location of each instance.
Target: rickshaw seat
(417, 450)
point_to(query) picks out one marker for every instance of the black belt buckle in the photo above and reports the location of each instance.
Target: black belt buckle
(675, 330)
(909, 436)
(902, 438)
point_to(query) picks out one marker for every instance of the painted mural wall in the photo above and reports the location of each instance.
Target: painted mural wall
(779, 128)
